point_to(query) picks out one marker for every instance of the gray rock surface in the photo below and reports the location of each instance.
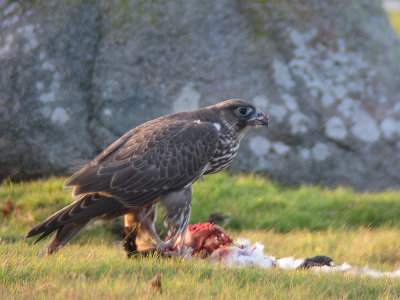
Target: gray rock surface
(75, 75)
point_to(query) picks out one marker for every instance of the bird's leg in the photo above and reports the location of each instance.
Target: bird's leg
(139, 225)
(178, 205)
(131, 230)
(147, 224)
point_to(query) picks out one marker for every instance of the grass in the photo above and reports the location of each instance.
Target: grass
(358, 228)
(395, 18)
(248, 201)
(83, 272)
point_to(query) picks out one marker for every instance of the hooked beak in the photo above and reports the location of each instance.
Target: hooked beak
(259, 119)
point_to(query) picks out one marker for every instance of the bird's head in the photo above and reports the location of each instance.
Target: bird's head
(242, 115)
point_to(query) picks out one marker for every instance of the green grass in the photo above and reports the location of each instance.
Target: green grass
(86, 272)
(254, 202)
(248, 201)
(358, 228)
(395, 18)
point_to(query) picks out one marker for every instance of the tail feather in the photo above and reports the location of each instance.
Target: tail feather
(63, 235)
(43, 235)
(50, 224)
(73, 218)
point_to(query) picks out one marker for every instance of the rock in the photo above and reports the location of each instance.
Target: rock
(78, 74)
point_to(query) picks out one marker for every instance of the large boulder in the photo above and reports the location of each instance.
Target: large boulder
(75, 75)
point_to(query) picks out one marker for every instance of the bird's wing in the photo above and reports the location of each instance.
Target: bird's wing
(148, 161)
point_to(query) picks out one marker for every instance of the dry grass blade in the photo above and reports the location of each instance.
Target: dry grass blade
(155, 283)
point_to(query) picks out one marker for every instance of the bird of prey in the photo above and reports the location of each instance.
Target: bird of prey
(157, 161)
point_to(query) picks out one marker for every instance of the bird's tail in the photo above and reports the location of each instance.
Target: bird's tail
(63, 235)
(70, 220)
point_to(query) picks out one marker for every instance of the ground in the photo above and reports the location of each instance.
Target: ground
(358, 228)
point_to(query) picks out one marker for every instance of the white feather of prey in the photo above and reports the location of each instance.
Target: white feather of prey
(245, 254)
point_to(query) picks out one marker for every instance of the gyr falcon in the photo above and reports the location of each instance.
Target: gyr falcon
(157, 161)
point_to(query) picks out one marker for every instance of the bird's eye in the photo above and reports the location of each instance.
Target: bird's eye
(243, 110)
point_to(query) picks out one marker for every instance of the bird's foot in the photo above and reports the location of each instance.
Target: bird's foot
(164, 245)
(185, 251)
(186, 254)
(182, 251)
(129, 241)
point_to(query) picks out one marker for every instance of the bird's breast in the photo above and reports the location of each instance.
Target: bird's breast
(227, 149)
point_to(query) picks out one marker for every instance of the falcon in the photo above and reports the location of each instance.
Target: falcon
(157, 161)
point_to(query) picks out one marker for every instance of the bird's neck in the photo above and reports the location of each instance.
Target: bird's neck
(238, 130)
(241, 133)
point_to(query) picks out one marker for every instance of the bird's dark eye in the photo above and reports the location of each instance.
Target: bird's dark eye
(243, 110)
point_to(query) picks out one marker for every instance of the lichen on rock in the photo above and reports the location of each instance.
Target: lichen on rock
(100, 68)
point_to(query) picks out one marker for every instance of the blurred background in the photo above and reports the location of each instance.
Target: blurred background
(75, 75)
